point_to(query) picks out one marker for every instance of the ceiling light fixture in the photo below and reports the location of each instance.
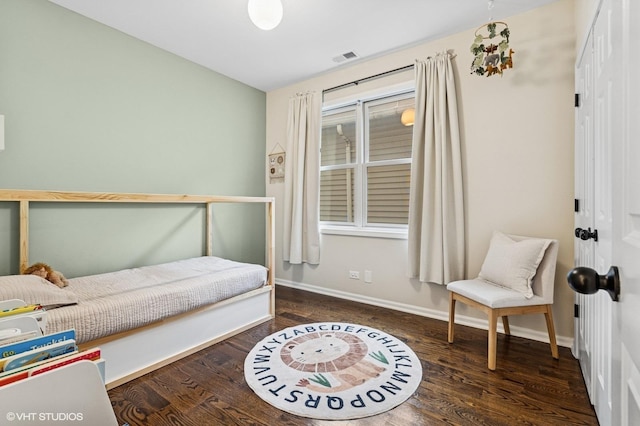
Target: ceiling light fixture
(265, 14)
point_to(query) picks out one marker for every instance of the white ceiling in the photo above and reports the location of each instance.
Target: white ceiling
(218, 34)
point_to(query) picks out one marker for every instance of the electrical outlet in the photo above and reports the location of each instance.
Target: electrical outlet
(368, 276)
(354, 275)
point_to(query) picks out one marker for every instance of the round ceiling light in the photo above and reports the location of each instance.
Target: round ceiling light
(265, 14)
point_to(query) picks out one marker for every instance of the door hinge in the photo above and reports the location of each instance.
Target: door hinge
(576, 100)
(576, 205)
(576, 311)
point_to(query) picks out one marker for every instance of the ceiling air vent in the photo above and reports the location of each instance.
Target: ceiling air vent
(345, 57)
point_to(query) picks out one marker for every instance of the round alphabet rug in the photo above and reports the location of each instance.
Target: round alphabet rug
(332, 371)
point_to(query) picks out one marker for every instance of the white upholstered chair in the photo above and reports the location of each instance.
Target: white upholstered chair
(517, 277)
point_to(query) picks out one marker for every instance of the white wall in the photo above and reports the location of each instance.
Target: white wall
(89, 108)
(518, 152)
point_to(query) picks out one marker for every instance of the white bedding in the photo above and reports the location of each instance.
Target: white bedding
(117, 301)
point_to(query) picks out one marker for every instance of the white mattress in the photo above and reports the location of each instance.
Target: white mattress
(123, 300)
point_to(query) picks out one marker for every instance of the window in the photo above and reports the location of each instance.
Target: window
(366, 165)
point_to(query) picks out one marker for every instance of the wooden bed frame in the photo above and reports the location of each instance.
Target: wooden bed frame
(136, 352)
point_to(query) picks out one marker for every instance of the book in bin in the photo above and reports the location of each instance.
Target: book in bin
(20, 310)
(14, 348)
(51, 364)
(28, 358)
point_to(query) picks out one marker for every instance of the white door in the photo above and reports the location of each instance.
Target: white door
(606, 115)
(607, 332)
(626, 242)
(596, 85)
(584, 194)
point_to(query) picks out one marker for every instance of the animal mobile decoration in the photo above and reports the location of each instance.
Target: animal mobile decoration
(494, 56)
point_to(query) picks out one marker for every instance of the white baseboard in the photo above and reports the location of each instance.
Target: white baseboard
(425, 312)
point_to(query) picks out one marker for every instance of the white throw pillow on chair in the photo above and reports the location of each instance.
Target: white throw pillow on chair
(513, 264)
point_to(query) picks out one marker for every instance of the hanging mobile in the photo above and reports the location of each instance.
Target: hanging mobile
(492, 56)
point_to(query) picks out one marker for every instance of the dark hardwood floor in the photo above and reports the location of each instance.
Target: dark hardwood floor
(528, 387)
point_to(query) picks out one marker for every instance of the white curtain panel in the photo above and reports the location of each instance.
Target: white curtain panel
(436, 204)
(301, 241)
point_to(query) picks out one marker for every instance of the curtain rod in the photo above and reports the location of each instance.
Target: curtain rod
(371, 77)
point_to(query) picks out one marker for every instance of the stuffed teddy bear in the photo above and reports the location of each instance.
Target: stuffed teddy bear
(45, 271)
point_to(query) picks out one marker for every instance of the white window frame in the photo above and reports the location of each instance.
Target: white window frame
(360, 228)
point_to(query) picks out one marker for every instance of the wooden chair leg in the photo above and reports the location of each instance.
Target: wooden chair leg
(505, 323)
(548, 315)
(493, 339)
(452, 315)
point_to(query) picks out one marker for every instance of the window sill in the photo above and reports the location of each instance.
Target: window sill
(396, 234)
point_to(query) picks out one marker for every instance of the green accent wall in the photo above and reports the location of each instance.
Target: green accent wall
(88, 108)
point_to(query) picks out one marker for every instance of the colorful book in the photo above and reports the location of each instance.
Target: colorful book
(20, 310)
(29, 358)
(28, 367)
(89, 355)
(13, 377)
(52, 364)
(35, 343)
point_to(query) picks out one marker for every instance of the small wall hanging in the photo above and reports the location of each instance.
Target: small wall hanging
(276, 163)
(493, 56)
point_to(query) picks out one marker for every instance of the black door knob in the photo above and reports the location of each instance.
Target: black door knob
(587, 281)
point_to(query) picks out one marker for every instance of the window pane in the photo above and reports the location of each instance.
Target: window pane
(389, 139)
(338, 138)
(388, 194)
(336, 195)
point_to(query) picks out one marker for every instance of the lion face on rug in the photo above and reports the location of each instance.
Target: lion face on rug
(45, 271)
(341, 354)
(321, 350)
